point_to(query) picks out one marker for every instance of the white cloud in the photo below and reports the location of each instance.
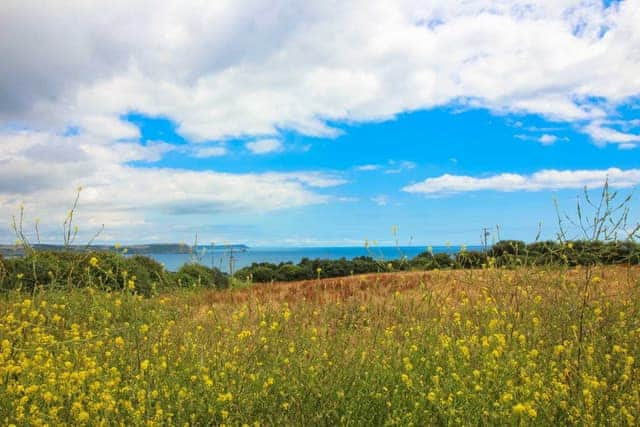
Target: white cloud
(542, 180)
(367, 167)
(206, 152)
(398, 167)
(314, 179)
(544, 139)
(222, 69)
(547, 139)
(380, 200)
(603, 134)
(128, 198)
(264, 146)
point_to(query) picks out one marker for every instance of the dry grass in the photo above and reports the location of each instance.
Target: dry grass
(446, 286)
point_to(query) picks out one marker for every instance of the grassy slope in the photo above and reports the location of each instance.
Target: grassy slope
(463, 347)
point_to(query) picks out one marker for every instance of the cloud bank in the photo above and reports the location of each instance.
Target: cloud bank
(542, 180)
(225, 69)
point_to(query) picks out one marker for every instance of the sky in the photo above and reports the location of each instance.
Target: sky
(316, 123)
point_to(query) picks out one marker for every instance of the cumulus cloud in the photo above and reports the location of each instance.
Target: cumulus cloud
(127, 197)
(264, 146)
(223, 69)
(542, 180)
(602, 134)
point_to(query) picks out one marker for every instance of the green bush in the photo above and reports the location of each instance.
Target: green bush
(290, 272)
(365, 264)
(429, 261)
(543, 253)
(105, 270)
(511, 247)
(326, 268)
(470, 259)
(571, 253)
(196, 275)
(622, 253)
(258, 272)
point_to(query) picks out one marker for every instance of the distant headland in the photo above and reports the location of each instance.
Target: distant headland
(152, 248)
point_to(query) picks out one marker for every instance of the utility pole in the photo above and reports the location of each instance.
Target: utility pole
(231, 260)
(484, 237)
(213, 258)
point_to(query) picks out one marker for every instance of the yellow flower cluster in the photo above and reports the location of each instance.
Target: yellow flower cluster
(489, 347)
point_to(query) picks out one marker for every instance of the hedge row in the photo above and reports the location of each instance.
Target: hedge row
(508, 253)
(106, 270)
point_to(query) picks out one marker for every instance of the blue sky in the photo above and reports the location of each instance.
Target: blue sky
(280, 123)
(377, 160)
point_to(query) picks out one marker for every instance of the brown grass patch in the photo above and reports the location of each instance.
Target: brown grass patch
(444, 286)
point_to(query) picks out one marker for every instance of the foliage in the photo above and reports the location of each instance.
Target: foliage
(470, 259)
(289, 271)
(317, 268)
(508, 254)
(198, 275)
(102, 270)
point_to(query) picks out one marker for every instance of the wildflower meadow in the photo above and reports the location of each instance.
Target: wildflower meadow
(492, 346)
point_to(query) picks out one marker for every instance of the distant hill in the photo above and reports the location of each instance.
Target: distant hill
(152, 248)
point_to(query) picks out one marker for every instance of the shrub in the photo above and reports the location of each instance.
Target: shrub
(333, 268)
(192, 275)
(258, 272)
(513, 247)
(470, 259)
(105, 270)
(365, 264)
(443, 260)
(48, 268)
(290, 272)
(154, 268)
(622, 253)
(544, 253)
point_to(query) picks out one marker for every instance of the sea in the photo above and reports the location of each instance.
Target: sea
(227, 260)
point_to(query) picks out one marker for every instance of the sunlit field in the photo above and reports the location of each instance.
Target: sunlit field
(471, 347)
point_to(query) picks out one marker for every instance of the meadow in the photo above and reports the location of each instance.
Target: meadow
(553, 345)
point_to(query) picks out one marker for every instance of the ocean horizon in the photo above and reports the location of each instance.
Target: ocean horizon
(227, 260)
